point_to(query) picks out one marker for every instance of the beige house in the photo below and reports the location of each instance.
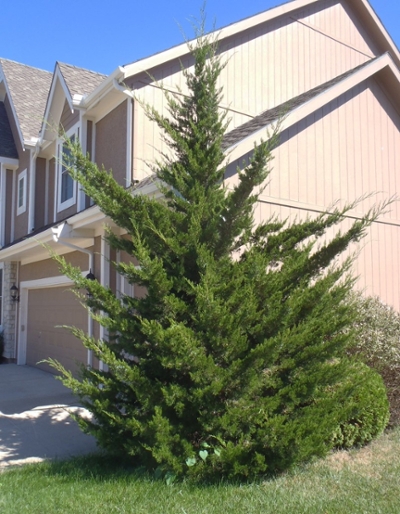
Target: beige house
(329, 65)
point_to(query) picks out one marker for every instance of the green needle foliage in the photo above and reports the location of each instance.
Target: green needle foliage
(233, 364)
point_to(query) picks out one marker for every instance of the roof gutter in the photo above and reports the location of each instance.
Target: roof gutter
(107, 85)
(64, 231)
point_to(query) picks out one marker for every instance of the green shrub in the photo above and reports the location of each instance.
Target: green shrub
(366, 409)
(377, 343)
(377, 333)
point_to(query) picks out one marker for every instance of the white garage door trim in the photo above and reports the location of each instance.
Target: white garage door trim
(25, 286)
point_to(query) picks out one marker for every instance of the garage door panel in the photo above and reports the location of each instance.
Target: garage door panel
(48, 310)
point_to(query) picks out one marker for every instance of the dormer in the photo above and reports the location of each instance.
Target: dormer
(65, 117)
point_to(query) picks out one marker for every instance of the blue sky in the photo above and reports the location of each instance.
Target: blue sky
(101, 35)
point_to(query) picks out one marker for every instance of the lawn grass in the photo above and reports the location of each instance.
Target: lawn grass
(360, 481)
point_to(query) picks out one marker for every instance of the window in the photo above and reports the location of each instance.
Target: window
(21, 193)
(66, 184)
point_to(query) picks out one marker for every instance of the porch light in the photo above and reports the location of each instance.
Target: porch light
(90, 276)
(14, 293)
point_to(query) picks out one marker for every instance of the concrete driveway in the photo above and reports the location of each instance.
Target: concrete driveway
(34, 421)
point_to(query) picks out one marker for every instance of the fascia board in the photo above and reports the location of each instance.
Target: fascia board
(95, 215)
(379, 25)
(225, 32)
(30, 243)
(102, 89)
(64, 86)
(148, 190)
(86, 217)
(12, 163)
(247, 144)
(58, 81)
(129, 70)
(4, 80)
(253, 21)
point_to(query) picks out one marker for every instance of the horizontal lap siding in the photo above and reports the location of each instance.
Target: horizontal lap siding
(50, 268)
(266, 66)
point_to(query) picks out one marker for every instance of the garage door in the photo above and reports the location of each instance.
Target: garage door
(48, 309)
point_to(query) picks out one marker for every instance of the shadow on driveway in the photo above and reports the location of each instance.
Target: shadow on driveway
(34, 418)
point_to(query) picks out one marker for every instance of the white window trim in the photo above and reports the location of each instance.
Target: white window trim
(22, 176)
(61, 206)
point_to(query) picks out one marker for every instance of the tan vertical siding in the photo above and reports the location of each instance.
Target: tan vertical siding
(51, 186)
(89, 146)
(40, 193)
(9, 212)
(66, 213)
(89, 138)
(111, 142)
(68, 118)
(266, 66)
(345, 150)
(21, 221)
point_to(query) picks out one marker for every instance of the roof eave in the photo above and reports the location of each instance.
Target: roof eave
(376, 26)
(58, 79)
(240, 148)
(102, 89)
(242, 25)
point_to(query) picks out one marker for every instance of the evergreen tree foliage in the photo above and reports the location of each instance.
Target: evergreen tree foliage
(233, 364)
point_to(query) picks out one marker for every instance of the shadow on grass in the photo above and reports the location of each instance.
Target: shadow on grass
(103, 467)
(95, 466)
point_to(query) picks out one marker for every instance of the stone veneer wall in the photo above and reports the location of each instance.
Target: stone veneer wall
(9, 310)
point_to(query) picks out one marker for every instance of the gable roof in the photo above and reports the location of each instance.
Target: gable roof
(272, 115)
(361, 7)
(242, 139)
(28, 88)
(80, 81)
(7, 145)
(67, 82)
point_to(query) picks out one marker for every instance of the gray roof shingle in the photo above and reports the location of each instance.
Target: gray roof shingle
(80, 81)
(28, 88)
(7, 144)
(265, 118)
